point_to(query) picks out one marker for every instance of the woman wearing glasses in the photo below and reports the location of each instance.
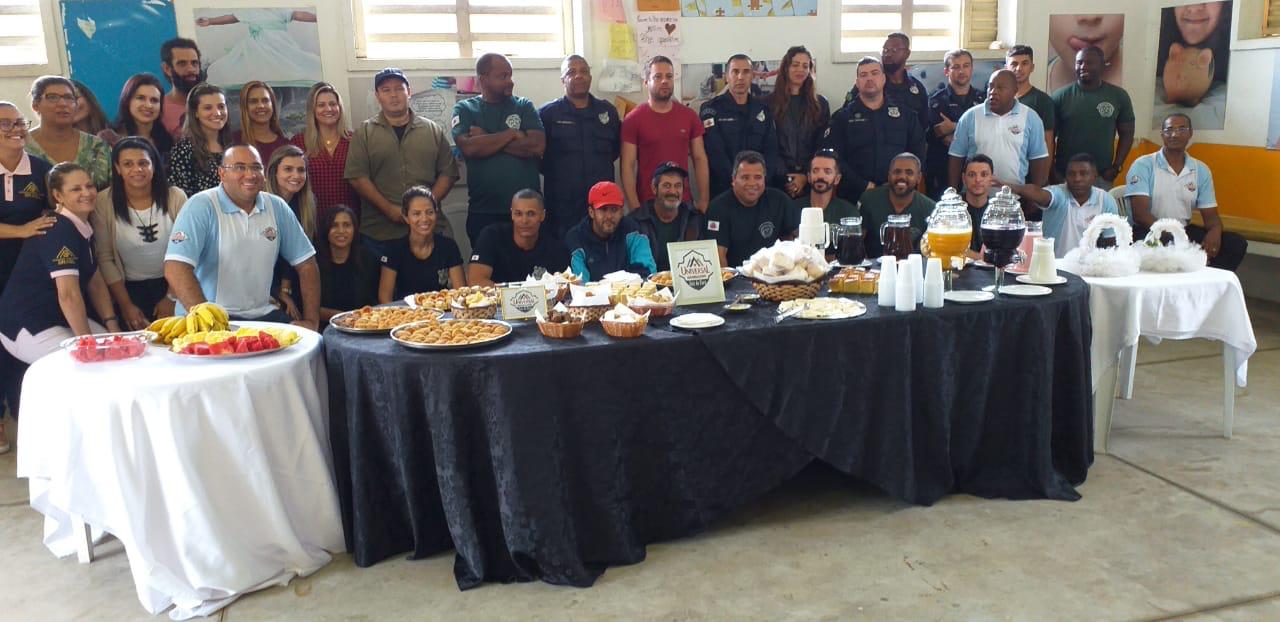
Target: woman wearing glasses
(193, 167)
(56, 139)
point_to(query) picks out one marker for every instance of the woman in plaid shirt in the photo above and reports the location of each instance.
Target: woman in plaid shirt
(325, 141)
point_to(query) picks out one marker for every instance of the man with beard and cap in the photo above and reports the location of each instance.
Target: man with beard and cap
(1092, 115)
(735, 122)
(869, 132)
(667, 217)
(1004, 130)
(606, 241)
(899, 85)
(583, 141)
(750, 216)
(899, 196)
(661, 130)
(823, 179)
(180, 63)
(1069, 207)
(945, 107)
(1020, 59)
(501, 139)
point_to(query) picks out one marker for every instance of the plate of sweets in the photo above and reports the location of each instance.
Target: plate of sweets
(664, 278)
(450, 334)
(441, 300)
(379, 320)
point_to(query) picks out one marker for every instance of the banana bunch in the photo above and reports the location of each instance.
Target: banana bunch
(203, 317)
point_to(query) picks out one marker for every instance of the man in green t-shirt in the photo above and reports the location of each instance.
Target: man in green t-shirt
(501, 140)
(1091, 114)
(898, 196)
(824, 178)
(1020, 59)
(748, 216)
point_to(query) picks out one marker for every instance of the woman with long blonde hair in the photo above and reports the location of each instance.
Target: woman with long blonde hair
(325, 141)
(287, 178)
(260, 119)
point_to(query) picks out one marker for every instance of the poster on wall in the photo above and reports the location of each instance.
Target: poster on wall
(702, 81)
(748, 8)
(659, 34)
(1069, 34)
(278, 46)
(110, 40)
(1192, 55)
(1273, 135)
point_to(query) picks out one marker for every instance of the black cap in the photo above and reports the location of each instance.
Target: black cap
(387, 74)
(669, 167)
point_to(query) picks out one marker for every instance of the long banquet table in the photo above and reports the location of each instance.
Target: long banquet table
(552, 460)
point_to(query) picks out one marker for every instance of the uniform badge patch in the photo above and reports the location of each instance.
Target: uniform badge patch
(604, 118)
(826, 132)
(1191, 186)
(513, 121)
(760, 117)
(1106, 109)
(914, 90)
(178, 237)
(1015, 129)
(709, 122)
(473, 258)
(713, 225)
(31, 191)
(894, 112)
(1135, 179)
(455, 121)
(766, 229)
(65, 258)
(269, 233)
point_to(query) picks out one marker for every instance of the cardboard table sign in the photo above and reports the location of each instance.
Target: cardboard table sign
(695, 272)
(523, 302)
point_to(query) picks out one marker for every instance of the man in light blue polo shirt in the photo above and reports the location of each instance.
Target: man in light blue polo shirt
(1171, 184)
(1070, 207)
(1005, 130)
(226, 241)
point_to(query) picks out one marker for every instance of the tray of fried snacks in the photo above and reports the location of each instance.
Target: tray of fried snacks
(664, 278)
(441, 300)
(379, 320)
(450, 334)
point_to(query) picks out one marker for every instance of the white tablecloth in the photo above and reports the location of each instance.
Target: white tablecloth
(214, 474)
(1208, 303)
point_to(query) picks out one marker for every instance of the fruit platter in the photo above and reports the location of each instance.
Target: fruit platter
(108, 346)
(246, 341)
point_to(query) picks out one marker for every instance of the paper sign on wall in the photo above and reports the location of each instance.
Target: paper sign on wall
(523, 302)
(658, 5)
(622, 45)
(695, 272)
(660, 34)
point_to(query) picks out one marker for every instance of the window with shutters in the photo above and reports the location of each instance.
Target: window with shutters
(22, 34)
(1271, 18)
(450, 29)
(933, 25)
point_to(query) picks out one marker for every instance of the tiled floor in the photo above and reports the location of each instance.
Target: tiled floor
(1178, 523)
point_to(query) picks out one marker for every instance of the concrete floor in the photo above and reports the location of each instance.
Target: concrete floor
(1177, 523)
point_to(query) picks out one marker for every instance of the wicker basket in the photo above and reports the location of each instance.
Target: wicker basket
(487, 312)
(781, 292)
(589, 314)
(560, 330)
(624, 330)
(655, 309)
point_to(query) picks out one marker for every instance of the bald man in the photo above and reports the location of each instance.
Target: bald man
(1094, 117)
(1005, 130)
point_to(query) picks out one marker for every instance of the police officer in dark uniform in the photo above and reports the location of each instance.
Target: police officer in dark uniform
(869, 132)
(945, 107)
(584, 138)
(736, 122)
(900, 85)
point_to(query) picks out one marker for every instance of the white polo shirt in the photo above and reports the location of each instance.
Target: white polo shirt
(1173, 195)
(1011, 140)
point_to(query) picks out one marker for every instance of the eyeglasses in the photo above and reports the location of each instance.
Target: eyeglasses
(53, 98)
(241, 169)
(1176, 131)
(8, 126)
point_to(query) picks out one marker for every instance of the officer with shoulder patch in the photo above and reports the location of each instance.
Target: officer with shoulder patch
(584, 136)
(900, 85)
(869, 131)
(736, 122)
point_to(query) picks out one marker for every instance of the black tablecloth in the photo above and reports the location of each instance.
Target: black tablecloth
(551, 460)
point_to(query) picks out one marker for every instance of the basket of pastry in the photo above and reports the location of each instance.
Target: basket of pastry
(450, 334)
(623, 323)
(854, 281)
(657, 303)
(380, 319)
(559, 323)
(589, 302)
(443, 299)
(664, 278)
(477, 306)
(786, 271)
(556, 283)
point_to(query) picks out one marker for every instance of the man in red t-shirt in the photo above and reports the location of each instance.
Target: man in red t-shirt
(661, 130)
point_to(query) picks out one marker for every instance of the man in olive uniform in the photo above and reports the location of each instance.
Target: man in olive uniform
(736, 122)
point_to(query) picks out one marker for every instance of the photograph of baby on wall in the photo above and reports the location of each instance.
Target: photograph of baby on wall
(1192, 56)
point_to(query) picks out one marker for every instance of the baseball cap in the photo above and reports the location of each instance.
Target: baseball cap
(387, 74)
(604, 194)
(669, 167)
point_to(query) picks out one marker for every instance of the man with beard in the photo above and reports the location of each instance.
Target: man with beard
(667, 217)
(1071, 206)
(661, 130)
(392, 152)
(501, 139)
(583, 141)
(899, 196)
(824, 178)
(945, 107)
(736, 122)
(869, 132)
(180, 63)
(750, 216)
(899, 85)
(1091, 116)
(1004, 130)
(606, 241)
(1020, 59)
(510, 251)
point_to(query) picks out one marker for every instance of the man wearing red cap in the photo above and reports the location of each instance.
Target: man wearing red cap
(606, 241)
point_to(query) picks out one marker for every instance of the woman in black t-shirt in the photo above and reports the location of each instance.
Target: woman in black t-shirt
(423, 261)
(348, 272)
